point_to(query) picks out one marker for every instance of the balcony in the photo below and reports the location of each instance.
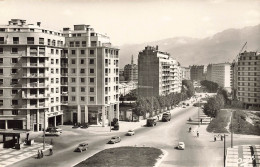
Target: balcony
(65, 55)
(30, 42)
(15, 42)
(29, 96)
(64, 74)
(64, 102)
(64, 65)
(64, 93)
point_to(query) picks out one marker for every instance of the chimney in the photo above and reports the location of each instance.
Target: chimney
(39, 24)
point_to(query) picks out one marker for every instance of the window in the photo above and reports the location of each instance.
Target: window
(1, 92)
(14, 112)
(1, 81)
(57, 80)
(91, 61)
(73, 89)
(82, 71)
(14, 102)
(1, 51)
(14, 81)
(57, 99)
(57, 61)
(2, 40)
(52, 51)
(91, 90)
(14, 50)
(82, 89)
(82, 98)
(15, 40)
(73, 52)
(73, 61)
(52, 71)
(91, 80)
(91, 52)
(52, 90)
(82, 52)
(52, 100)
(57, 90)
(1, 60)
(14, 71)
(73, 98)
(1, 102)
(71, 44)
(84, 43)
(82, 80)
(57, 71)
(91, 70)
(82, 61)
(14, 60)
(73, 70)
(73, 79)
(77, 44)
(14, 91)
(52, 80)
(30, 40)
(91, 99)
(41, 41)
(57, 51)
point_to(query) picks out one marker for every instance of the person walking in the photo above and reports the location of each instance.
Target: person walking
(198, 134)
(215, 138)
(41, 154)
(190, 129)
(51, 152)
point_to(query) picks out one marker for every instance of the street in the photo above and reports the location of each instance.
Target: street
(199, 151)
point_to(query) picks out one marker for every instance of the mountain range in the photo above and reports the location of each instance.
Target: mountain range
(221, 47)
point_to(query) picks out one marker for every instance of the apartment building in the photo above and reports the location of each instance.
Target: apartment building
(185, 73)
(92, 94)
(197, 72)
(131, 71)
(158, 73)
(29, 76)
(48, 77)
(248, 79)
(221, 74)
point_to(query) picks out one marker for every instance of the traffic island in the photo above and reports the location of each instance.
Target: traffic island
(124, 156)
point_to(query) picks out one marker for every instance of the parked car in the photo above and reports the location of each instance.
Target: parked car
(150, 122)
(130, 133)
(166, 117)
(81, 147)
(54, 129)
(187, 104)
(52, 133)
(183, 106)
(181, 146)
(115, 139)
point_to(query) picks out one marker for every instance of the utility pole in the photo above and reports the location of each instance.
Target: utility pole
(224, 150)
(231, 129)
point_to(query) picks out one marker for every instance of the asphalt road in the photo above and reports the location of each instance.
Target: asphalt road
(200, 151)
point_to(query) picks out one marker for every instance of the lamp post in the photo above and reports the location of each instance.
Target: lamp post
(225, 150)
(231, 129)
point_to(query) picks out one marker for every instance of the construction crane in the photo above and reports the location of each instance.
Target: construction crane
(237, 57)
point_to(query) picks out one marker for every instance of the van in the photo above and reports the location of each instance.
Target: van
(166, 117)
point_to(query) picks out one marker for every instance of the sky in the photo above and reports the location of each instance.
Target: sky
(137, 21)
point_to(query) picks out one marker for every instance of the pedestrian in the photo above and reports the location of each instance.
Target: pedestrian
(41, 154)
(158, 117)
(201, 120)
(221, 137)
(190, 129)
(50, 151)
(198, 134)
(215, 138)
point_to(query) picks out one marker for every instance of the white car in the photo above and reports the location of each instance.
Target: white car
(130, 133)
(181, 146)
(52, 133)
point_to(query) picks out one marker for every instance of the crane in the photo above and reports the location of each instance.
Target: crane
(236, 59)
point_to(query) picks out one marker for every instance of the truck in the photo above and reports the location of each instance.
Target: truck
(166, 117)
(150, 122)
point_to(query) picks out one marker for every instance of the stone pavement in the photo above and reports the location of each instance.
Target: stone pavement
(243, 155)
(10, 156)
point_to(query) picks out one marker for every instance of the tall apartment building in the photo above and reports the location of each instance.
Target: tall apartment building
(92, 76)
(131, 71)
(221, 74)
(158, 73)
(29, 76)
(48, 77)
(248, 78)
(197, 73)
(185, 73)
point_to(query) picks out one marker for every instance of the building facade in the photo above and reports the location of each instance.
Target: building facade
(197, 73)
(185, 73)
(30, 76)
(158, 73)
(131, 71)
(221, 74)
(48, 77)
(248, 79)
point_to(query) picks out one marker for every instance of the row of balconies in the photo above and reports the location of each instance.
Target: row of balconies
(34, 96)
(35, 75)
(35, 85)
(36, 64)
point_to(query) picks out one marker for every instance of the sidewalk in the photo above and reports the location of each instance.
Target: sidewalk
(10, 156)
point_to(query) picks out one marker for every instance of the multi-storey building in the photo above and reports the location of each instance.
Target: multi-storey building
(197, 73)
(29, 76)
(131, 71)
(158, 73)
(93, 77)
(48, 77)
(186, 73)
(220, 74)
(248, 78)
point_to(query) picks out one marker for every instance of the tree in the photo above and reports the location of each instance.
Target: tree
(211, 87)
(188, 88)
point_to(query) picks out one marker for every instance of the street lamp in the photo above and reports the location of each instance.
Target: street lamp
(231, 129)
(44, 130)
(225, 150)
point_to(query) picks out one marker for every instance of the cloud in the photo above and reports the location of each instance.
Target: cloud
(206, 19)
(67, 12)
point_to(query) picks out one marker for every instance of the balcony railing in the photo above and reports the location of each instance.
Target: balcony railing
(30, 42)
(15, 42)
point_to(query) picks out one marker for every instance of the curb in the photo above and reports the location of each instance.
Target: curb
(160, 158)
